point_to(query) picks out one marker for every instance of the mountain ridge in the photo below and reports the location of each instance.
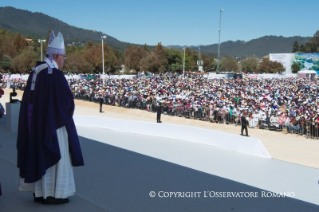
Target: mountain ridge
(36, 24)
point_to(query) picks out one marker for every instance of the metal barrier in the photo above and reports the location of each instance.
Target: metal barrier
(310, 129)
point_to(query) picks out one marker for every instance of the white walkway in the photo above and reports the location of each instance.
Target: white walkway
(237, 143)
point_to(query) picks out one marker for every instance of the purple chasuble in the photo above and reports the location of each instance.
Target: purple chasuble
(49, 107)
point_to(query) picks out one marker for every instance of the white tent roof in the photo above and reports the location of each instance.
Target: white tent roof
(307, 72)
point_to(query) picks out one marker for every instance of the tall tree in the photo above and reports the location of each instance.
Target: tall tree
(175, 60)
(162, 56)
(77, 64)
(94, 57)
(295, 68)
(89, 44)
(208, 61)
(214, 65)
(295, 47)
(5, 64)
(151, 63)
(132, 57)
(19, 42)
(145, 48)
(268, 66)
(249, 65)
(24, 61)
(229, 64)
(315, 41)
(192, 57)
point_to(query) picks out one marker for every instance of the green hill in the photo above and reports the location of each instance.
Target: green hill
(258, 47)
(36, 25)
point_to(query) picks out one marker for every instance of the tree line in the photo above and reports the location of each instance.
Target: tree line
(311, 46)
(19, 56)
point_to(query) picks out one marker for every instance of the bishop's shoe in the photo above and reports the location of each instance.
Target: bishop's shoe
(37, 199)
(54, 201)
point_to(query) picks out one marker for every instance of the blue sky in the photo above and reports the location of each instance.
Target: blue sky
(178, 22)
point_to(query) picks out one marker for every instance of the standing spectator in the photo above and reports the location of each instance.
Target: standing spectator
(1, 107)
(101, 100)
(313, 125)
(159, 112)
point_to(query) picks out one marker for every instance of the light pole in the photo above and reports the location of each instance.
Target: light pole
(184, 64)
(41, 41)
(220, 23)
(103, 37)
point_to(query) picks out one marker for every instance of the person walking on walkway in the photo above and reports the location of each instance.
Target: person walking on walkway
(244, 124)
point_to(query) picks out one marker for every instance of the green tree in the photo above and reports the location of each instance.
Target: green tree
(249, 65)
(19, 42)
(151, 63)
(175, 60)
(6, 44)
(268, 66)
(295, 68)
(94, 57)
(213, 66)
(295, 47)
(24, 61)
(89, 44)
(315, 42)
(162, 56)
(207, 61)
(307, 48)
(76, 63)
(229, 64)
(146, 48)
(133, 56)
(302, 48)
(5, 64)
(191, 59)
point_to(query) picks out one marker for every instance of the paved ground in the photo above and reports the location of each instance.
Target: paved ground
(119, 174)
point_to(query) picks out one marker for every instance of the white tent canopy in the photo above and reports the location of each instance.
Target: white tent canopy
(307, 72)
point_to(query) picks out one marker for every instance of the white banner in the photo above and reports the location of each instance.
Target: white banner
(285, 59)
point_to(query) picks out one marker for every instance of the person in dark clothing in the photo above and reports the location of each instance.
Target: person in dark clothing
(244, 124)
(159, 112)
(101, 102)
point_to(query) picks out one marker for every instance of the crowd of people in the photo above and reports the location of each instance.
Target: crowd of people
(276, 104)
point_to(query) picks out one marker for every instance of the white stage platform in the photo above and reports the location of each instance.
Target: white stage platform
(263, 173)
(121, 169)
(237, 143)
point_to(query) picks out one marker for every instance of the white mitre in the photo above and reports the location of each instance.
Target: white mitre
(56, 44)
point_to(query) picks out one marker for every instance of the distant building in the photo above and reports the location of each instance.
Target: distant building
(29, 40)
(265, 57)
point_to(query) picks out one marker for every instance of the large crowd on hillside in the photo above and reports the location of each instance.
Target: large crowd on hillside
(276, 104)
